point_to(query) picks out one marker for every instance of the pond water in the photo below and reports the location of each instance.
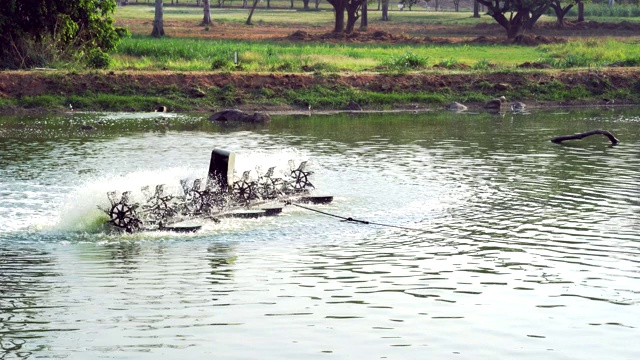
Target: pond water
(489, 240)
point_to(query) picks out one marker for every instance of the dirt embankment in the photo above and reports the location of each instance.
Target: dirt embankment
(526, 86)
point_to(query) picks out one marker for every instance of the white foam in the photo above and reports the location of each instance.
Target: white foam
(81, 209)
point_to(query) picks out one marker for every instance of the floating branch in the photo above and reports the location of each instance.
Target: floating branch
(560, 139)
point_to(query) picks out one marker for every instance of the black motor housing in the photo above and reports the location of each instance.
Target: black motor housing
(221, 167)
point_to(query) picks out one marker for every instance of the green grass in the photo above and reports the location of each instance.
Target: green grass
(590, 53)
(146, 53)
(184, 54)
(603, 11)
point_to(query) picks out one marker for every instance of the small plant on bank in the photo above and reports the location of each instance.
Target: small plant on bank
(404, 62)
(220, 63)
(448, 63)
(96, 59)
(484, 64)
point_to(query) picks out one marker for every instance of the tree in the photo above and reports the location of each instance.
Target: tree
(158, 26)
(207, 13)
(352, 7)
(253, 8)
(385, 10)
(476, 9)
(561, 8)
(408, 3)
(522, 14)
(580, 11)
(37, 32)
(364, 19)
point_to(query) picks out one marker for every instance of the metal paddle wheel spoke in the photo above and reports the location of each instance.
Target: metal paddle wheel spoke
(124, 216)
(194, 202)
(300, 180)
(243, 191)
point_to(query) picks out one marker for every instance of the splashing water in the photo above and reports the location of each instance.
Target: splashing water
(84, 208)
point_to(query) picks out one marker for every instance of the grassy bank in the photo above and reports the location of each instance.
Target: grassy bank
(195, 67)
(145, 91)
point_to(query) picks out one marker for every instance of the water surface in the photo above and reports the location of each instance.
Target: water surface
(489, 241)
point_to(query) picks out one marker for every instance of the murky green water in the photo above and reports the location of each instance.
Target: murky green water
(506, 245)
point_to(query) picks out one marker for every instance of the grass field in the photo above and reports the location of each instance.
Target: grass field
(263, 47)
(424, 57)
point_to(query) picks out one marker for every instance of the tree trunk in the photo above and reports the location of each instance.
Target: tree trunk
(532, 17)
(207, 13)
(253, 8)
(306, 4)
(317, 4)
(364, 21)
(244, 4)
(158, 28)
(291, 7)
(385, 10)
(476, 9)
(351, 22)
(339, 26)
(268, 4)
(580, 11)
(352, 8)
(379, 1)
(560, 12)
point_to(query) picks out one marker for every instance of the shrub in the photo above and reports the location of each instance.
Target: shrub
(96, 59)
(220, 63)
(406, 61)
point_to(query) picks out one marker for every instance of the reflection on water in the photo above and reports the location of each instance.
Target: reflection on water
(500, 244)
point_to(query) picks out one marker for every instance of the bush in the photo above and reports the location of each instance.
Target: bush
(220, 63)
(406, 61)
(98, 59)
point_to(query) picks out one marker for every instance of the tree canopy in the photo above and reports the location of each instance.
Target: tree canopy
(37, 32)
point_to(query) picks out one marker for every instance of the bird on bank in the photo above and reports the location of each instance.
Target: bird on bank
(606, 101)
(518, 106)
(495, 104)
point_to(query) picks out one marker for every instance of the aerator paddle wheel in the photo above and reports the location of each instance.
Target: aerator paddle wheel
(122, 214)
(159, 206)
(300, 179)
(219, 197)
(244, 190)
(269, 187)
(198, 201)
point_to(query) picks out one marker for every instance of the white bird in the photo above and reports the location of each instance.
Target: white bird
(518, 106)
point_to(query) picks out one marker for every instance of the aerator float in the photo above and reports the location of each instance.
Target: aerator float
(220, 195)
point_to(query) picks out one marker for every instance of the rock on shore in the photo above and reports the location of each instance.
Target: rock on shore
(239, 116)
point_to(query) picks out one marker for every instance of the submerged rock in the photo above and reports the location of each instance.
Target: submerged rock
(353, 106)
(496, 103)
(239, 116)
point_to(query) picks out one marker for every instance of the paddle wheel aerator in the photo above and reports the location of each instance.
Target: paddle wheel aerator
(216, 197)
